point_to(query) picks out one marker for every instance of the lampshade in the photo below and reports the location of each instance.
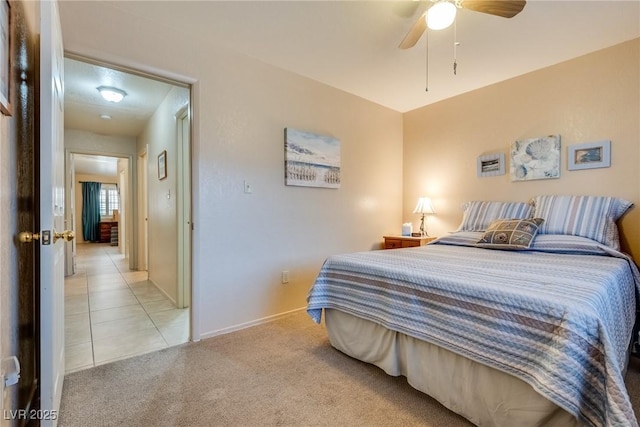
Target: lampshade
(424, 206)
(441, 15)
(112, 94)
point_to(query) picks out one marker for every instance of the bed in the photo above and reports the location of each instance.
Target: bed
(539, 335)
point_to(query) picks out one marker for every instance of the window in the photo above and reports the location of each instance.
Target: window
(109, 199)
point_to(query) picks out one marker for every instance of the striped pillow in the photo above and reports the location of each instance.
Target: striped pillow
(479, 214)
(593, 217)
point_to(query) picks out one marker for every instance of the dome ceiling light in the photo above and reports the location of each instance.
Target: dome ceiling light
(441, 15)
(112, 94)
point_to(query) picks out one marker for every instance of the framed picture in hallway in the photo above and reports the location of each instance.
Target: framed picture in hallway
(5, 57)
(162, 165)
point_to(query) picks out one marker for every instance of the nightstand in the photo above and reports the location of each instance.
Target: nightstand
(395, 242)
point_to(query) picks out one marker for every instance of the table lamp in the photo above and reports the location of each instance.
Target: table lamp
(423, 207)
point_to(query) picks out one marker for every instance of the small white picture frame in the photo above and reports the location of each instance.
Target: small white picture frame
(162, 165)
(589, 155)
(491, 165)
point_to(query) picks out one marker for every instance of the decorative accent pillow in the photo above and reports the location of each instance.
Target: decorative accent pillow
(593, 217)
(479, 214)
(510, 233)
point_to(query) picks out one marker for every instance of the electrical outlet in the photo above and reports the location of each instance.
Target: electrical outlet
(285, 276)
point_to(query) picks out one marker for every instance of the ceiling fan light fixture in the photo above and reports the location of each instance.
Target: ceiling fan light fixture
(112, 94)
(441, 15)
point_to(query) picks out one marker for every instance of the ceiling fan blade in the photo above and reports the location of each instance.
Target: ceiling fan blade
(503, 8)
(414, 33)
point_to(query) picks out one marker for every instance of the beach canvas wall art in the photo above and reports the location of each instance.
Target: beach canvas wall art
(311, 160)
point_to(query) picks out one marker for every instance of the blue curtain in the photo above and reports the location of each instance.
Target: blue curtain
(91, 211)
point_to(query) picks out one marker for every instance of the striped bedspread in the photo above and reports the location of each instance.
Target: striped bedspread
(559, 316)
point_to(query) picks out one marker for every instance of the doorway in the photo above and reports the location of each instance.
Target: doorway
(135, 289)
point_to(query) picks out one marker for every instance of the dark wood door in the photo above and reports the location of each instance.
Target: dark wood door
(20, 308)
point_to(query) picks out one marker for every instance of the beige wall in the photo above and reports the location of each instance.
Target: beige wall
(590, 98)
(159, 135)
(242, 242)
(80, 141)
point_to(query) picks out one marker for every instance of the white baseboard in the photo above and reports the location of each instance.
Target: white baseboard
(162, 291)
(250, 324)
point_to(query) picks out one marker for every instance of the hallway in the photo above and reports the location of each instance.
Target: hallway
(113, 313)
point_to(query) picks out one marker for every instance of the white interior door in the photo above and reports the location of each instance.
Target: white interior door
(143, 223)
(70, 215)
(184, 208)
(51, 193)
(123, 242)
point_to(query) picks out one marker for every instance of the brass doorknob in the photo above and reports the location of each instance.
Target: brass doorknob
(28, 237)
(67, 235)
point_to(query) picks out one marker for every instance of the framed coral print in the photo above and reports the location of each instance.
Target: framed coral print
(5, 57)
(535, 158)
(162, 165)
(491, 165)
(589, 155)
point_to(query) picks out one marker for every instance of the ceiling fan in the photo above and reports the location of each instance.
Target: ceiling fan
(443, 12)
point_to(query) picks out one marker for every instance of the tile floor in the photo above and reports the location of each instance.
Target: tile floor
(112, 313)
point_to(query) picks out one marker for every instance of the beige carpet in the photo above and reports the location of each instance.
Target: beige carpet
(283, 373)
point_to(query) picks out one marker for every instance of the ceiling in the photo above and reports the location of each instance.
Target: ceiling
(353, 45)
(350, 45)
(84, 105)
(85, 109)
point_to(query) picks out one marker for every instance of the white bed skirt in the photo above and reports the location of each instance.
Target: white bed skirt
(483, 395)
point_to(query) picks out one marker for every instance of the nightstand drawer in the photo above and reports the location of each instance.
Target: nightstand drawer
(392, 243)
(397, 242)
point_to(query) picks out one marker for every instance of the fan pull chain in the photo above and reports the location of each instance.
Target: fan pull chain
(426, 34)
(455, 48)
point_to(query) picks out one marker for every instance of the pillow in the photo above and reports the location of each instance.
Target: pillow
(479, 214)
(510, 233)
(593, 217)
